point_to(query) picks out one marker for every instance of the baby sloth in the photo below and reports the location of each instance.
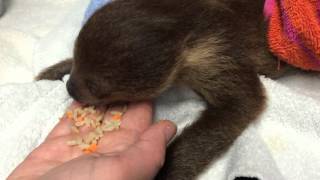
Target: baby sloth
(132, 50)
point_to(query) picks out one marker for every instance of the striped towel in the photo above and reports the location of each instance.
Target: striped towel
(294, 31)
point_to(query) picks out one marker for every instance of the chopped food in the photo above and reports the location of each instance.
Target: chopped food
(92, 119)
(116, 117)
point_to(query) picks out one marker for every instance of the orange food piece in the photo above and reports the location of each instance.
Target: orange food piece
(92, 148)
(116, 117)
(69, 115)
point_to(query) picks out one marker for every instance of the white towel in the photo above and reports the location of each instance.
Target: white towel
(35, 34)
(283, 144)
(28, 112)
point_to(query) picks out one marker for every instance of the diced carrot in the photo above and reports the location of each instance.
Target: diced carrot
(93, 147)
(116, 117)
(69, 115)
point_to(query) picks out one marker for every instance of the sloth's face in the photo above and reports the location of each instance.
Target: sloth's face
(120, 58)
(95, 83)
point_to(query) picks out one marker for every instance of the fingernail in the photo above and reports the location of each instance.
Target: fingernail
(170, 130)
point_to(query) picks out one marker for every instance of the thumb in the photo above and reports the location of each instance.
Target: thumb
(153, 142)
(161, 132)
(152, 147)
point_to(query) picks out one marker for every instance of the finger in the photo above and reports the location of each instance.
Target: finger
(134, 123)
(151, 149)
(63, 126)
(156, 138)
(138, 117)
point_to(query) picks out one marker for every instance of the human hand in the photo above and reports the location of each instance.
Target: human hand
(135, 151)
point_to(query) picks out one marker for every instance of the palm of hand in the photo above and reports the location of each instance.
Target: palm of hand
(136, 149)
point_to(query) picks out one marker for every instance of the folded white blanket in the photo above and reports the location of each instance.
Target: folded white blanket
(284, 143)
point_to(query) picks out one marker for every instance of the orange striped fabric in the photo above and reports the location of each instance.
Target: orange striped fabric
(294, 31)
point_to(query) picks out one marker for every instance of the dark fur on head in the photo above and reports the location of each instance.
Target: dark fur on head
(137, 54)
(132, 50)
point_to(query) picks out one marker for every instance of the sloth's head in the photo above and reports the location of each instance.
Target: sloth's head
(122, 56)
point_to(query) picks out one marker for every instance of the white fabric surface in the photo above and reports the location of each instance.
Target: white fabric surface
(1, 7)
(283, 144)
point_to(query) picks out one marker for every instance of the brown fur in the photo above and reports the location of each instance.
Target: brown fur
(57, 71)
(132, 50)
